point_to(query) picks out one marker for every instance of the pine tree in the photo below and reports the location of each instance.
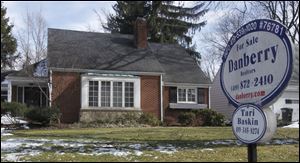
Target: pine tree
(126, 14)
(8, 42)
(167, 23)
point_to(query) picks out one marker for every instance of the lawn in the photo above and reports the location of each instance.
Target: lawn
(144, 144)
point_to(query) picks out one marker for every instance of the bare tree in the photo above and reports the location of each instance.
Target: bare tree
(216, 41)
(286, 12)
(295, 75)
(33, 38)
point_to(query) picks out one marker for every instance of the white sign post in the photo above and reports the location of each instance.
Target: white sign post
(256, 68)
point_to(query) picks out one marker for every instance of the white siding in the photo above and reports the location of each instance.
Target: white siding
(219, 101)
(292, 93)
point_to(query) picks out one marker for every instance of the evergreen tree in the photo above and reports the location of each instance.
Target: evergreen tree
(8, 42)
(167, 23)
(126, 14)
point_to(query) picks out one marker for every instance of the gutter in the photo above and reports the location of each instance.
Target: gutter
(161, 100)
(209, 106)
(171, 84)
(50, 88)
(105, 71)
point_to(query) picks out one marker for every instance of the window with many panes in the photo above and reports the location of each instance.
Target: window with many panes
(105, 93)
(291, 101)
(117, 94)
(4, 92)
(129, 94)
(4, 96)
(112, 94)
(93, 93)
(187, 95)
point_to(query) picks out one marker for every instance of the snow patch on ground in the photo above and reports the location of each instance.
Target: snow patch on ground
(7, 119)
(16, 157)
(169, 149)
(293, 125)
(14, 149)
(206, 149)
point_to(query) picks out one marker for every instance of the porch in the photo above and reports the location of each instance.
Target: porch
(32, 92)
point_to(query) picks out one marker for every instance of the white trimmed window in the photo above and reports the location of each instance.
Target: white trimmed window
(129, 98)
(105, 93)
(186, 95)
(4, 92)
(109, 92)
(93, 93)
(117, 94)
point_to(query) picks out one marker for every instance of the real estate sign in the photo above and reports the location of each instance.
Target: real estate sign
(249, 123)
(257, 66)
(257, 63)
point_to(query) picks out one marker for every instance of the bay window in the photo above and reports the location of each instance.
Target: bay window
(110, 93)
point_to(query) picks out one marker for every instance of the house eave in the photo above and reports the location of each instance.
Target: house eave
(170, 84)
(27, 79)
(105, 71)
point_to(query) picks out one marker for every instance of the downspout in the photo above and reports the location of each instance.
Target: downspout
(50, 88)
(161, 100)
(9, 91)
(209, 97)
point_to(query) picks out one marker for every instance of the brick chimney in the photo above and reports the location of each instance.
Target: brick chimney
(140, 33)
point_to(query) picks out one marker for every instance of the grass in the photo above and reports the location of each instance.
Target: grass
(178, 136)
(286, 153)
(148, 134)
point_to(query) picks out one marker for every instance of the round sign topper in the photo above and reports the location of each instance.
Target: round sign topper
(257, 63)
(249, 123)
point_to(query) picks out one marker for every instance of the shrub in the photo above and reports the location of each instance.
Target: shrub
(128, 118)
(15, 109)
(210, 117)
(170, 121)
(43, 115)
(149, 119)
(187, 118)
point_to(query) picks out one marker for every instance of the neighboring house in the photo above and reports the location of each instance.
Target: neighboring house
(5, 87)
(29, 85)
(92, 75)
(288, 99)
(219, 101)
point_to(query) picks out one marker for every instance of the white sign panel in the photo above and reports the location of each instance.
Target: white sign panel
(249, 123)
(257, 63)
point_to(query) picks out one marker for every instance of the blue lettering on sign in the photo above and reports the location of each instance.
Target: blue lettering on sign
(260, 56)
(246, 62)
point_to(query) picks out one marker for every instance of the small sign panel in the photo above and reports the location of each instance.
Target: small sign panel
(257, 63)
(249, 123)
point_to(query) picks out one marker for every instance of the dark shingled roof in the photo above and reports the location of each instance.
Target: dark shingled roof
(5, 73)
(100, 51)
(103, 51)
(179, 66)
(29, 71)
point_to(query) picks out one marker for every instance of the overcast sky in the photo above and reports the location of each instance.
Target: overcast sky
(75, 15)
(80, 15)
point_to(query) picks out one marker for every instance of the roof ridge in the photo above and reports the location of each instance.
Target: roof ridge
(72, 30)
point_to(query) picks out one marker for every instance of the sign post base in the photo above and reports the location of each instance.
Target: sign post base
(252, 152)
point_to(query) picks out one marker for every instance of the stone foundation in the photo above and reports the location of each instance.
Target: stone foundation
(107, 116)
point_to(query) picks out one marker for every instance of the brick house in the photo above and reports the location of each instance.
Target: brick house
(90, 75)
